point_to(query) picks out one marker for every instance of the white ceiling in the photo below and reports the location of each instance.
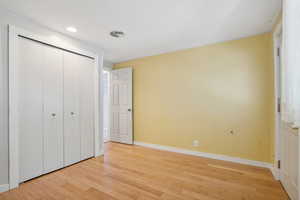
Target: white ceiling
(151, 26)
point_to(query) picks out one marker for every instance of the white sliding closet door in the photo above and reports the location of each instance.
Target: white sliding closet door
(53, 109)
(86, 105)
(52, 106)
(72, 143)
(79, 90)
(29, 86)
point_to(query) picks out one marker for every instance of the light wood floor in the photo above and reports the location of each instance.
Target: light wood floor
(137, 173)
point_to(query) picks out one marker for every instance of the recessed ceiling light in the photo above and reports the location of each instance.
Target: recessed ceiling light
(117, 34)
(71, 29)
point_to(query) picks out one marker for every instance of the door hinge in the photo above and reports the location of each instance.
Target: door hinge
(278, 164)
(279, 105)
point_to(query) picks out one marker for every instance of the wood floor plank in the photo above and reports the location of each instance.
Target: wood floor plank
(94, 194)
(129, 172)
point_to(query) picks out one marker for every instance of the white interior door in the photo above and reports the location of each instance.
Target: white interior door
(86, 106)
(29, 85)
(121, 106)
(72, 136)
(289, 144)
(53, 109)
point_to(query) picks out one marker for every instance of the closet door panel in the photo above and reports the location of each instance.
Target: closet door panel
(53, 109)
(87, 77)
(29, 72)
(71, 109)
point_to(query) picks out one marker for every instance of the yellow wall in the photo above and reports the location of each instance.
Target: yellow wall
(203, 93)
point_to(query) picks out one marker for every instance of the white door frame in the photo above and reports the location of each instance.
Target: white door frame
(108, 105)
(276, 43)
(14, 33)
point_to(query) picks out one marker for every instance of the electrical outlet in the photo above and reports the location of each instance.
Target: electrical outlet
(195, 143)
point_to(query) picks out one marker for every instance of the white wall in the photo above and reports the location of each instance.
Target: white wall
(10, 18)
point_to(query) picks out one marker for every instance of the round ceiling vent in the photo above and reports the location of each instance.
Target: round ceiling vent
(117, 34)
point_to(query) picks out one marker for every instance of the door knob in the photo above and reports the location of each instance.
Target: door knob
(53, 114)
(72, 113)
(129, 110)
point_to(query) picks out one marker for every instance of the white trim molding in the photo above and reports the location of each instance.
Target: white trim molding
(101, 152)
(206, 155)
(4, 188)
(277, 44)
(276, 172)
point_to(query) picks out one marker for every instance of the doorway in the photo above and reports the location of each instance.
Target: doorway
(117, 106)
(121, 106)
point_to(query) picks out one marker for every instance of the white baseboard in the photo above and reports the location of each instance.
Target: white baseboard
(275, 172)
(206, 155)
(4, 188)
(101, 152)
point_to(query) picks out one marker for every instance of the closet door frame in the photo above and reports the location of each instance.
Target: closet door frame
(14, 34)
